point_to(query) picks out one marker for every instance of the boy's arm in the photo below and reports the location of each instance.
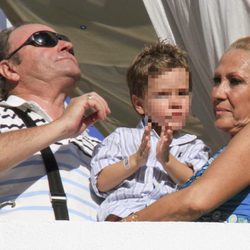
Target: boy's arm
(196, 156)
(178, 171)
(112, 175)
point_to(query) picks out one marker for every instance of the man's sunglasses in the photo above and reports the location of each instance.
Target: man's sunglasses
(42, 39)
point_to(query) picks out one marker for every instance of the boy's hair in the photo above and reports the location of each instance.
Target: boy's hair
(154, 59)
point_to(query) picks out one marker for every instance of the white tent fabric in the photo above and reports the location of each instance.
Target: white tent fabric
(205, 29)
(116, 31)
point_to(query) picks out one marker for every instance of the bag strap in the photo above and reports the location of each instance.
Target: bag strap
(58, 196)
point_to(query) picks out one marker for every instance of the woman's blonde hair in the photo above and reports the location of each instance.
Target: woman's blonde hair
(241, 43)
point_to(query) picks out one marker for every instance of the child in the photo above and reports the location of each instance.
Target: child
(134, 167)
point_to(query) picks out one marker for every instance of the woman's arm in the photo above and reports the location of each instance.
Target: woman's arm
(227, 176)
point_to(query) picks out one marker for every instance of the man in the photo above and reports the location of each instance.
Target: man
(39, 71)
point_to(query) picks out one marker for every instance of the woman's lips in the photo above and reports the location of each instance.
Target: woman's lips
(221, 111)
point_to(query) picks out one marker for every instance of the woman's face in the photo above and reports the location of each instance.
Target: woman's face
(231, 91)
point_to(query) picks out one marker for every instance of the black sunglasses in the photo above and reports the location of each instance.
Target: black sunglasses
(42, 39)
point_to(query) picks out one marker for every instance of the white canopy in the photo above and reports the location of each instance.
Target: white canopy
(117, 31)
(205, 28)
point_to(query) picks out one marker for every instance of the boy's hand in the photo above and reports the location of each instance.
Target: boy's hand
(141, 156)
(162, 148)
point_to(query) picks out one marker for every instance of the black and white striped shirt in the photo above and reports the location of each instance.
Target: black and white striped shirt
(27, 184)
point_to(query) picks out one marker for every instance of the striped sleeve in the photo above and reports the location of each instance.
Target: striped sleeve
(106, 153)
(196, 154)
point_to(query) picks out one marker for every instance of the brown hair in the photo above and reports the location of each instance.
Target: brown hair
(154, 59)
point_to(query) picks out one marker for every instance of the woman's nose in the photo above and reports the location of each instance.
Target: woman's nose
(220, 91)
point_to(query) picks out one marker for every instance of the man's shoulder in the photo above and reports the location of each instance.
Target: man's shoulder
(85, 142)
(6, 112)
(85, 136)
(4, 108)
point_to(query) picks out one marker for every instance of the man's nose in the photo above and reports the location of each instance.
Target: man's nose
(66, 45)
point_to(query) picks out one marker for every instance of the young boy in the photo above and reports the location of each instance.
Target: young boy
(134, 167)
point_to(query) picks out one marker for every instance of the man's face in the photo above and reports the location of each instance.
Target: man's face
(167, 99)
(44, 64)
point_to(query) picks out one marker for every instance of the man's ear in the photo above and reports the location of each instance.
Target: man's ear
(7, 70)
(138, 104)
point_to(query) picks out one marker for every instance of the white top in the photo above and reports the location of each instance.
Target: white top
(27, 183)
(150, 182)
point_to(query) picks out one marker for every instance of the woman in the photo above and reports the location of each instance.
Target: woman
(222, 193)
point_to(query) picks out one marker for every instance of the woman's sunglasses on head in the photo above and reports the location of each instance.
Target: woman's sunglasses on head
(42, 39)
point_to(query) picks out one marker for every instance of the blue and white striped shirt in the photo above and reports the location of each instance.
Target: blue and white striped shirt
(27, 183)
(150, 182)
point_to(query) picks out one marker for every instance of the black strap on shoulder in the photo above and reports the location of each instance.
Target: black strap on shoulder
(58, 196)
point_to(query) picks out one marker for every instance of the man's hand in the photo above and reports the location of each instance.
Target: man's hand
(162, 148)
(75, 119)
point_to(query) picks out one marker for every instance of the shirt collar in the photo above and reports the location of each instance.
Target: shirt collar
(178, 139)
(18, 102)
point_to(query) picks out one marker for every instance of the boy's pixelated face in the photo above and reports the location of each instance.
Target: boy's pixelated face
(167, 98)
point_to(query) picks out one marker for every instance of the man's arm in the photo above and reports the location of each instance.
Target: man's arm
(17, 146)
